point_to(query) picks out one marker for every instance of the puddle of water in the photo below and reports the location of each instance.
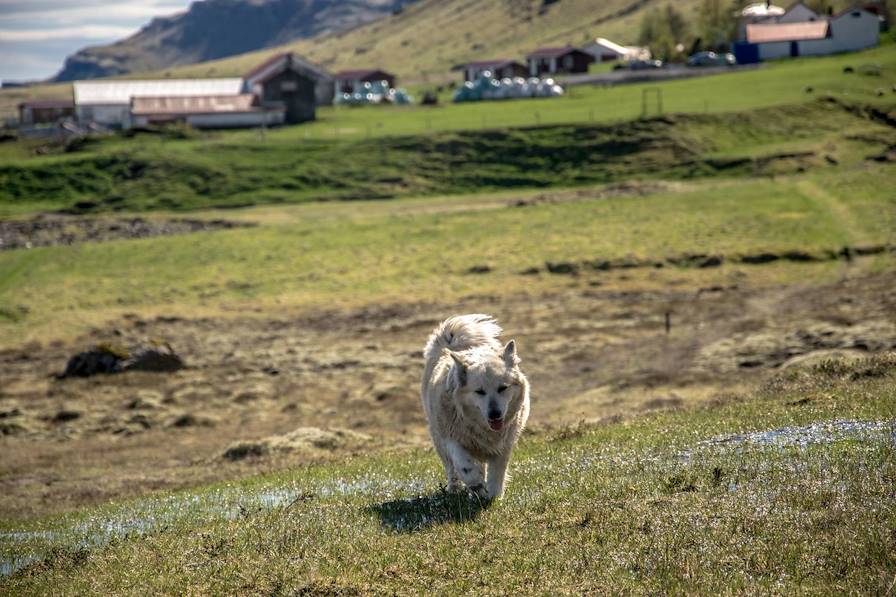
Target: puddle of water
(827, 432)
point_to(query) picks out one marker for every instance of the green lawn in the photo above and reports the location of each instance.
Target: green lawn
(421, 249)
(664, 503)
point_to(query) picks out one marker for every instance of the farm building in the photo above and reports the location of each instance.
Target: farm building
(284, 89)
(500, 69)
(850, 30)
(108, 103)
(605, 50)
(287, 80)
(352, 81)
(215, 111)
(552, 61)
(45, 111)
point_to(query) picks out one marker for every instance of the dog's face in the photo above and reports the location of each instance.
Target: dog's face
(490, 388)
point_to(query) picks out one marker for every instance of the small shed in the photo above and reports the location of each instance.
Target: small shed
(351, 81)
(500, 69)
(205, 112)
(45, 111)
(285, 80)
(558, 60)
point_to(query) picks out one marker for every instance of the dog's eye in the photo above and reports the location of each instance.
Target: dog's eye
(481, 392)
(501, 388)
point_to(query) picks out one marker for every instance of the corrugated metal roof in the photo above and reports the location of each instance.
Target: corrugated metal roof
(280, 62)
(121, 92)
(765, 33)
(205, 104)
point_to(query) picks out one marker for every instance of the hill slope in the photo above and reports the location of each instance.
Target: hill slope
(218, 28)
(424, 41)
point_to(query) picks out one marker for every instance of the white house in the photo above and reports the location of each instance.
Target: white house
(605, 50)
(854, 29)
(850, 30)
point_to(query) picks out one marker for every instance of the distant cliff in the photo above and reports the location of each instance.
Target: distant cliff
(213, 29)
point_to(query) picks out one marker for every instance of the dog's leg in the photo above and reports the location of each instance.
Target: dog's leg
(467, 468)
(450, 471)
(497, 475)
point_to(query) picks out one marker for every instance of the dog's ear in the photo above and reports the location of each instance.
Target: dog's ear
(457, 378)
(509, 355)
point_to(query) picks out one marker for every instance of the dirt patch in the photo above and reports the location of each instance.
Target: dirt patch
(622, 189)
(303, 439)
(590, 352)
(702, 260)
(52, 230)
(776, 348)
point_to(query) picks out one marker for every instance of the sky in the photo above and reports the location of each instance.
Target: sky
(37, 35)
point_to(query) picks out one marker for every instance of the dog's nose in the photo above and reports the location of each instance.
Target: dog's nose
(494, 414)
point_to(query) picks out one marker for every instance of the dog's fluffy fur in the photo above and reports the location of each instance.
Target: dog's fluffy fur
(476, 401)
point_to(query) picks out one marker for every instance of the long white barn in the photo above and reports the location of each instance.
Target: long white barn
(109, 102)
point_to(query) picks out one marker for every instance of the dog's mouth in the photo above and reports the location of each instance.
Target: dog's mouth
(496, 424)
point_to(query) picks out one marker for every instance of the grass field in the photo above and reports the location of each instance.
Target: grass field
(669, 503)
(336, 253)
(157, 172)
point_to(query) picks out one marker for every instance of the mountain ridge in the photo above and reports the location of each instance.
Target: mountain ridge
(238, 26)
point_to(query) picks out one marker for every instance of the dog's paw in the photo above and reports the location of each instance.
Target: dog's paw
(479, 491)
(456, 487)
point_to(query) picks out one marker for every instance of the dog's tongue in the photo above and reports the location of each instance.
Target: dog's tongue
(496, 424)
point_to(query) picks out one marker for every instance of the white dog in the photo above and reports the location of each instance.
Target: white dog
(476, 401)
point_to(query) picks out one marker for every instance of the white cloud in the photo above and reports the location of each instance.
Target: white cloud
(83, 32)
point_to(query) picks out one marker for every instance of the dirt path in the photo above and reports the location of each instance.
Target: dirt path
(840, 213)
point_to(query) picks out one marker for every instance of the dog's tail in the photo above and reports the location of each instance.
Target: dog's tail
(460, 333)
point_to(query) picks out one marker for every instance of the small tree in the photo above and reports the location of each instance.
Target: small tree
(717, 23)
(662, 29)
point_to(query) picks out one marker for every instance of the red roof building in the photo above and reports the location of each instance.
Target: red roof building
(350, 81)
(500, 69)
(558, 60)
